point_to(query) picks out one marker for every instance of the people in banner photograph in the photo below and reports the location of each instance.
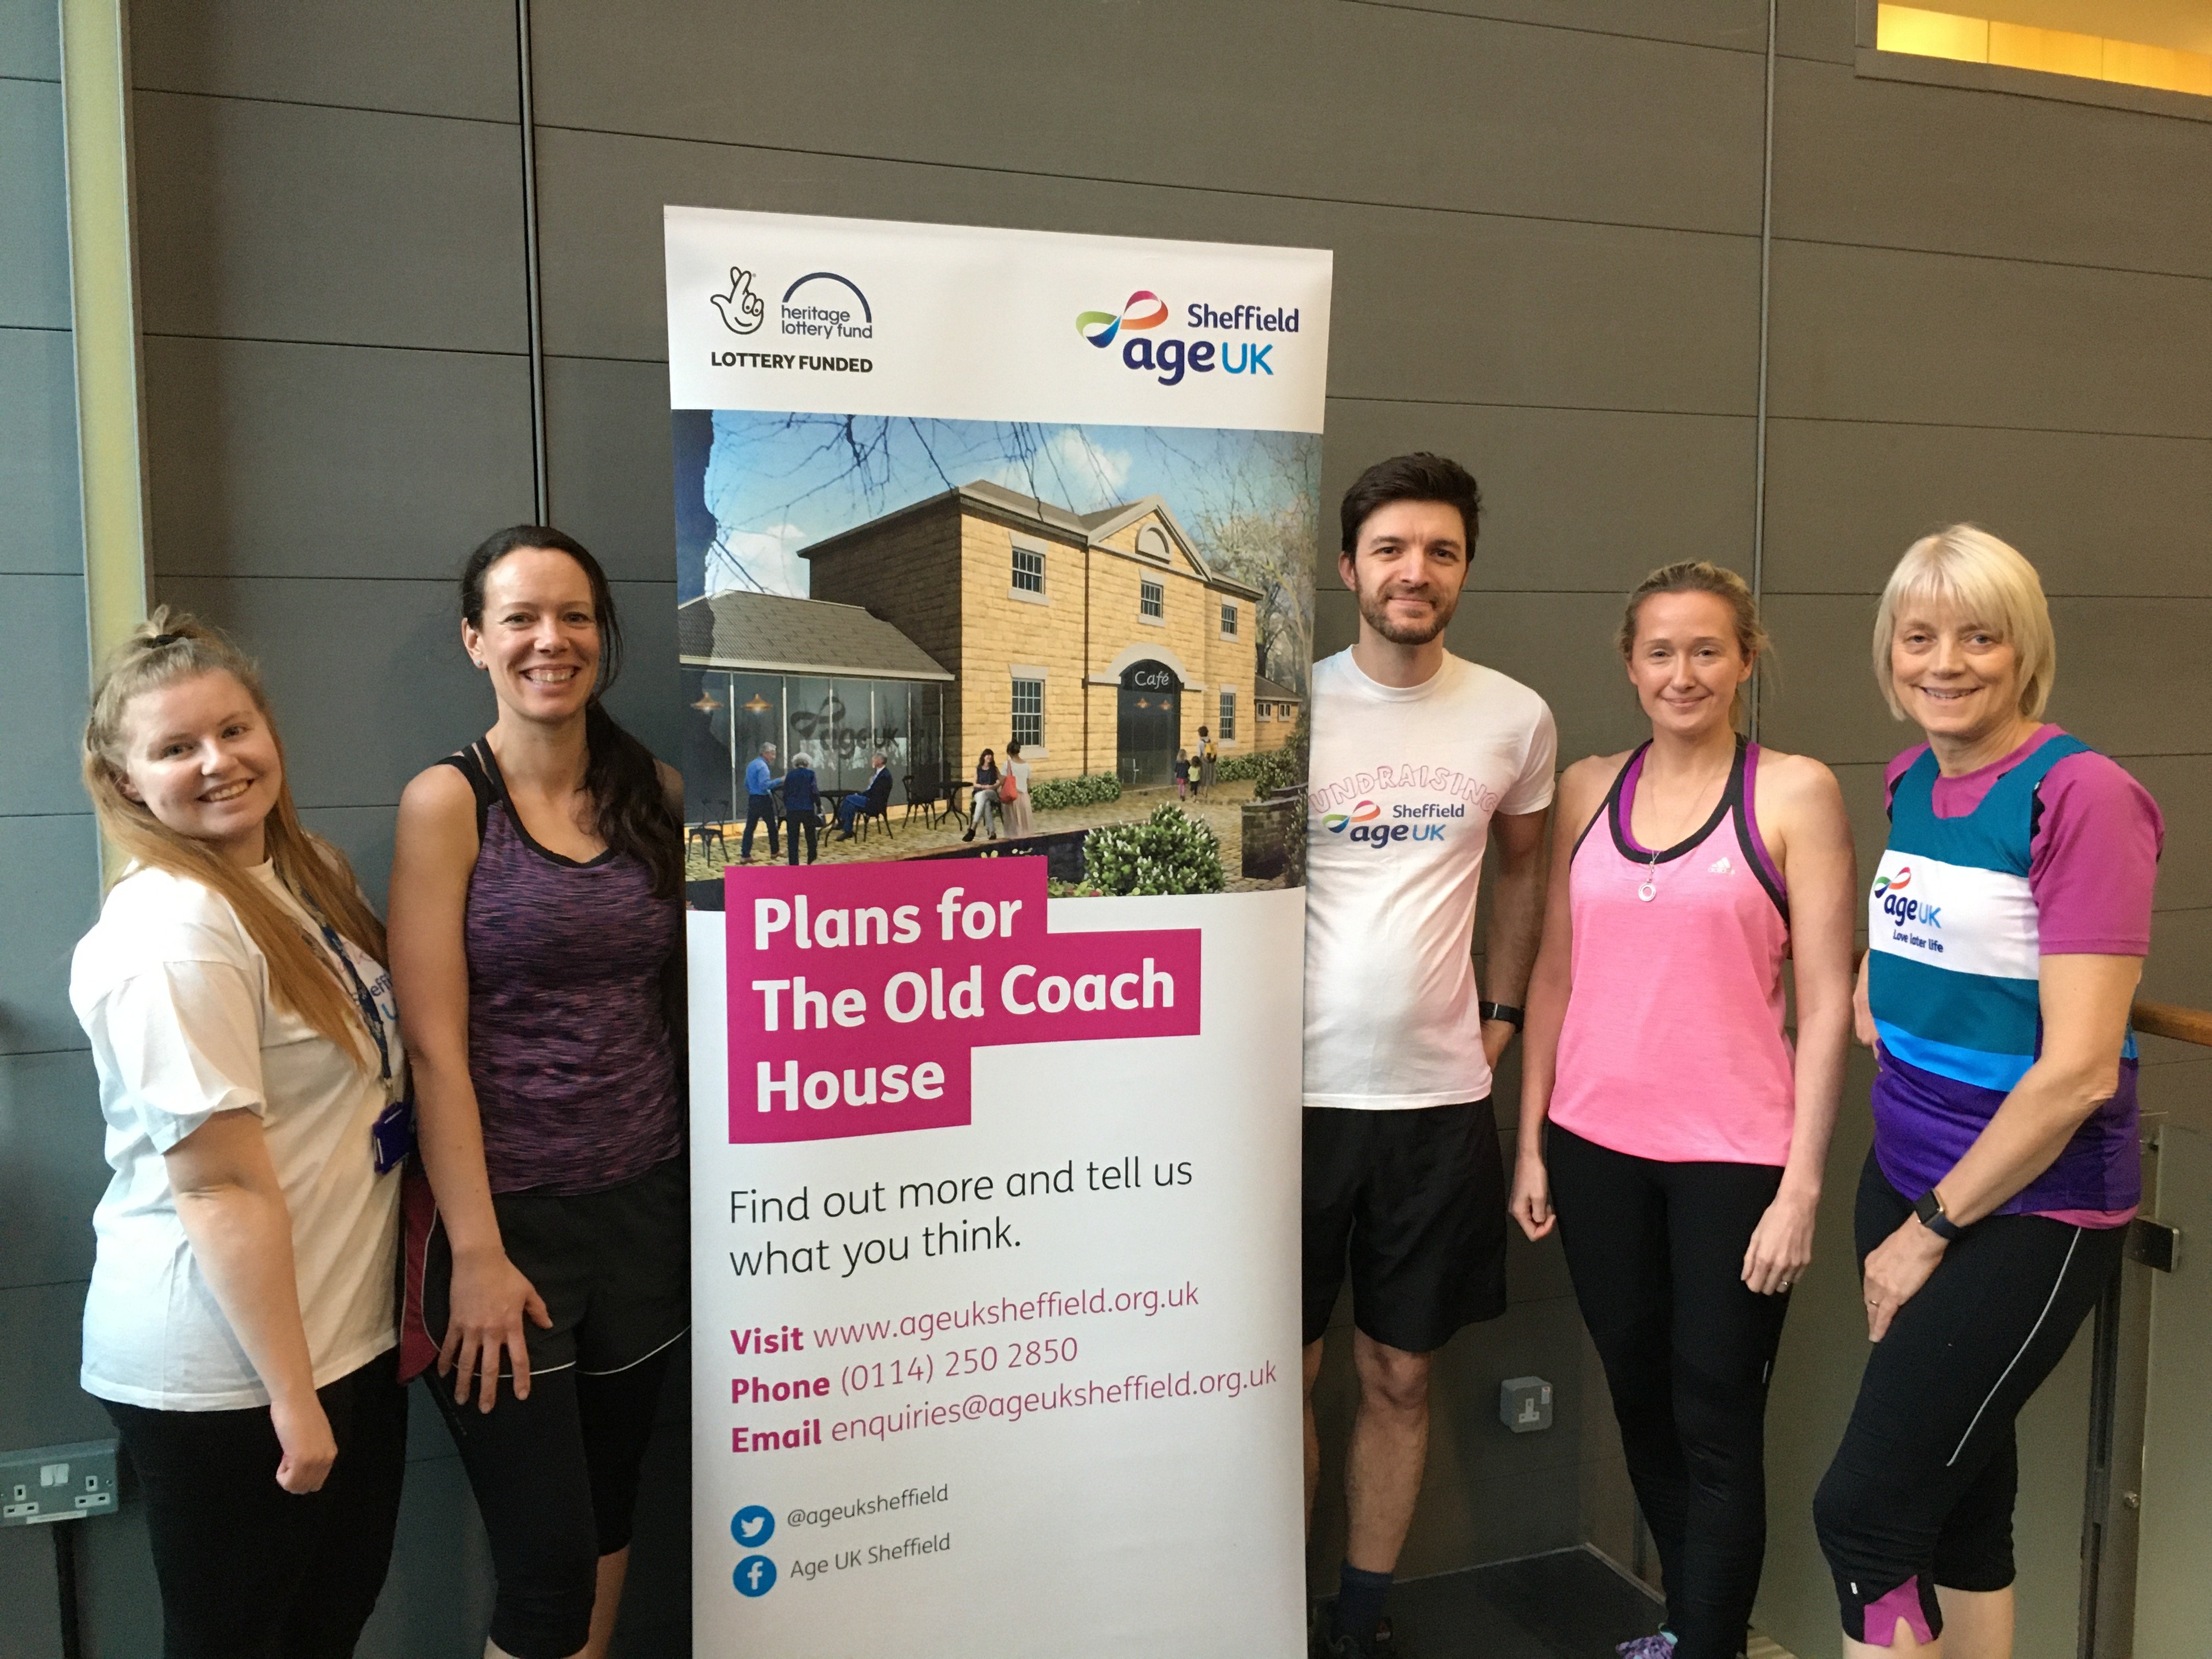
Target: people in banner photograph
(760, 801)
(1096, 600)
(538, 941)
(239, 1326)
(1423, 764)
(802, 811)
(873, 802)
(1686, 1137)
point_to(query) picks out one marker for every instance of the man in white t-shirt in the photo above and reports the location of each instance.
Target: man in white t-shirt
(1420, 760)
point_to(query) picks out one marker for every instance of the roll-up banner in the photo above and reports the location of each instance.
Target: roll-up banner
(994, 582)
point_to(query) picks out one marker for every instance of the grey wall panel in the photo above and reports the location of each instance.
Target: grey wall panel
(40, 529)
(318, 460)
(1556, 122)
(42, 695)
(2019, 177)
(608, 453)
(30, 1590)
(1874, 334)
(2182, 786)
(364, 835)
(1235, 110)
(1427, 306)
(1572, 499)
(30, 40)
(1739, 25)
(2179, 968)
(50, 895)
(437, 1602)
(409, 694)
(425, 57)
(647, 699)
(2094, 513)
(291, 222)
(2133, 678)
(34, 288)
(1824, 29)
(52, 1167)
(40, 1404)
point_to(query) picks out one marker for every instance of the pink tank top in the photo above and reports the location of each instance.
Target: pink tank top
(1673, 1048)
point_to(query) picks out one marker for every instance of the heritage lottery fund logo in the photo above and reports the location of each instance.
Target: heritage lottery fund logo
(821, 306)
(1169, 358)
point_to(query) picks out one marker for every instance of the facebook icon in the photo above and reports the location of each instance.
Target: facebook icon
(755, 1576)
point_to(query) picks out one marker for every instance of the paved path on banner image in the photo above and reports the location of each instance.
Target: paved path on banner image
(1221, 809)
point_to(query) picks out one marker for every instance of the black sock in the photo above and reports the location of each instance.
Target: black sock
(1359, 1603)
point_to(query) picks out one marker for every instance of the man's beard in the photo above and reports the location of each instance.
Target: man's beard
(1374, 611)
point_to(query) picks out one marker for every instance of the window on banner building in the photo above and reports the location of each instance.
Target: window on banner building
(1228, 621)
(1150, 600)
(1228, 716)
(1029, 569)
(1028, 713)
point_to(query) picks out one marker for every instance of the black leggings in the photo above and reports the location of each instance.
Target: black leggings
(556, 1480)
(247, 1569)
(1920, 1490)
(1656, 1254)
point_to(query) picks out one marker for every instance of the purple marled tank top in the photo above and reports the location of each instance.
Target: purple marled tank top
(569, 1044)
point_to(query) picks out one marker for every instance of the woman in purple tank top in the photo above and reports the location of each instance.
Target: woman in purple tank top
(1686, 1141)
(537, 933)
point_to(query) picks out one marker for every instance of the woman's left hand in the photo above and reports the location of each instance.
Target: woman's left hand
(1782, 1244)
(1896, 1270)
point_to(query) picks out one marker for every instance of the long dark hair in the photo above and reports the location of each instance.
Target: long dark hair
(633, 815)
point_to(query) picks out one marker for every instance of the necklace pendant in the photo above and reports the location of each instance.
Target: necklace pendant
(1647, 892)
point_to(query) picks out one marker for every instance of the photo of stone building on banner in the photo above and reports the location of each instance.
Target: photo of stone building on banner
(1115, 652)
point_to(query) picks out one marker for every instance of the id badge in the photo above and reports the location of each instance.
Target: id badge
(391, 1136)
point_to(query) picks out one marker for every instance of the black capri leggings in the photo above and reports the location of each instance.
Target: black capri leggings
(247, 1569)
(1920, 1490)
(1656, 1254)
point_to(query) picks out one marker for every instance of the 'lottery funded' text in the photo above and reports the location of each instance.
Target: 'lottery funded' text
(858, 992)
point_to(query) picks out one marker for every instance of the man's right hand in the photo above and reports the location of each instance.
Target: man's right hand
(489, 1298)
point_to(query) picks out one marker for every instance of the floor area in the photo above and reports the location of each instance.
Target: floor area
(1569, 1604)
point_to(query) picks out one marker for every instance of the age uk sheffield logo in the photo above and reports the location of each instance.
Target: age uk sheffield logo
(1169, 358)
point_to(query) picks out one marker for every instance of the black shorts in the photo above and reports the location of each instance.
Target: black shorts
(1415, 1202)
(613, 1267)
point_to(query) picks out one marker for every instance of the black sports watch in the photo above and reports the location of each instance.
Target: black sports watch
(1930, 1209)
(1504, 1011)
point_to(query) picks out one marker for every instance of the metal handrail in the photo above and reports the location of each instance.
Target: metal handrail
(2171, 1020)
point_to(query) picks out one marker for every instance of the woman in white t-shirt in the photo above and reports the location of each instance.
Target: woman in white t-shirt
(240, 1327)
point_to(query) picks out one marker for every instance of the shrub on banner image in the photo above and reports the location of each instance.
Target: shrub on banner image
(1170, 852)
(1092, 789)
(1284, 768)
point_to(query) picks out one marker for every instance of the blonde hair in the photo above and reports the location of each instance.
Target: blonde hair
(1969, 570)
(1702, 576)
(164, 650)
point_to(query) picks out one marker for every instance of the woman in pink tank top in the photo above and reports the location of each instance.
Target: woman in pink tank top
(1686, 1139)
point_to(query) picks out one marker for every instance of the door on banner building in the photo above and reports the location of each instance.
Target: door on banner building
(1148, 725)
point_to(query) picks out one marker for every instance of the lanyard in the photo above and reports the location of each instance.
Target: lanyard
(372, 1016)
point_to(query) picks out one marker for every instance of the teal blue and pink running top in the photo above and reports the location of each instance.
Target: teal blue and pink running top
(2051, 851)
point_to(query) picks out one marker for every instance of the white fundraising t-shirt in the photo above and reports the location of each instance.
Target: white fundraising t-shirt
(1404, 783)
(174, 995)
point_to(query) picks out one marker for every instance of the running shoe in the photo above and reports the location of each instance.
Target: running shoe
(1324, 1643)
(1646, 1647)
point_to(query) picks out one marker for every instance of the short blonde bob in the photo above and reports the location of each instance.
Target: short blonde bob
(1967, 569)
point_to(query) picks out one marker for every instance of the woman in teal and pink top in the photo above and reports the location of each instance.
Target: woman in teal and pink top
(1686, 1137)
(2007, 928)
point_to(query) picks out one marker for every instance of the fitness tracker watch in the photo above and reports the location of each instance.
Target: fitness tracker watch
(1930, 1209)
(1504, 1011)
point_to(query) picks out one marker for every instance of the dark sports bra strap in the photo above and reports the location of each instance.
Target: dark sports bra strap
(476, 764)
(1611, 803)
